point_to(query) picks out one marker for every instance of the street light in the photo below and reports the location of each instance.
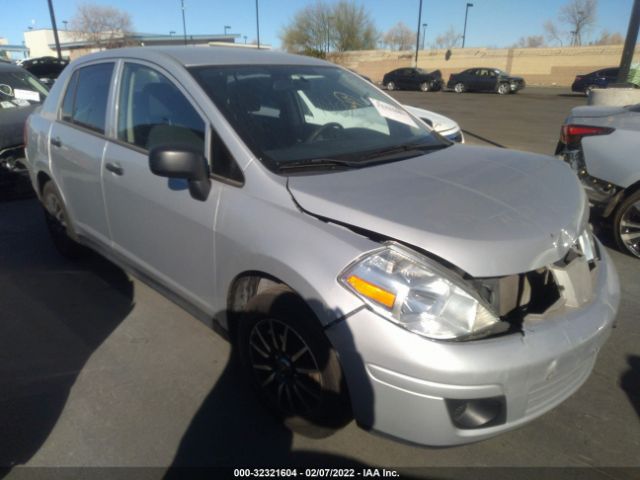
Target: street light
(418, 33)
(184, 24)
(245, 39)
(424, 33)
(258, 24)
(65, 24)
(226, 27)
(464, 33)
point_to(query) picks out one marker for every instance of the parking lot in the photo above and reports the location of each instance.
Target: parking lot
(97, 369)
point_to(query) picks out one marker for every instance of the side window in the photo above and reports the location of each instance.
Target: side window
(91, 94)
(69, 97)
(152, 111)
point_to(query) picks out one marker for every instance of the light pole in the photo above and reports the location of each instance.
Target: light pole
(226, 27)
(65, 24)
(184, 24)
(258, 24)
(418, 33)
(55, 30)
(464, 33)
(424, 33)
(629, 43)
(245, 39)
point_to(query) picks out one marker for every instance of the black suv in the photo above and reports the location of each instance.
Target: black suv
(485, 80)
(20, 93)
(412, 79)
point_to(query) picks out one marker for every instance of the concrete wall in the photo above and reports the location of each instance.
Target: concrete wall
(539, 66)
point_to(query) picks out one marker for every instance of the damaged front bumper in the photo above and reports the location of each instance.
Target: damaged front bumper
(447, 393)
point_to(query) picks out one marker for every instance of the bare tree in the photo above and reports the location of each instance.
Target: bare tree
(104, 26)
(319, 27)
(607, 38)
(533, 41)
(579, 16)
(448, 39)
(399, 37)
(353, 28)
(553, 33)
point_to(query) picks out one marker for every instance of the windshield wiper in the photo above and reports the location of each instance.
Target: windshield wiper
(316, 163)
(403, 150)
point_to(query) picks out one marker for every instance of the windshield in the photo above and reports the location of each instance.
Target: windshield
(19, 88)
(290, 114)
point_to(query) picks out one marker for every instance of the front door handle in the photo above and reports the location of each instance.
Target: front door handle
(114, 168)
(56, 142)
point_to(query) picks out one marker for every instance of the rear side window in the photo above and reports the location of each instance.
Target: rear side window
(153, 111)
(85, 102)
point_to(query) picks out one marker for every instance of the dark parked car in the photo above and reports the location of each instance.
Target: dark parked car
(598, 79)
(46, 69)
(20, 92)
(485, 80)
(412, 79)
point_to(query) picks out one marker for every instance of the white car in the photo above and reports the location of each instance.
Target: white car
(443, 125)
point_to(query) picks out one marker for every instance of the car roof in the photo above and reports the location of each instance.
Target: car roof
(201, 56)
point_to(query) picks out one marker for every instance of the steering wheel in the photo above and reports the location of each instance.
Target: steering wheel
(324, 128)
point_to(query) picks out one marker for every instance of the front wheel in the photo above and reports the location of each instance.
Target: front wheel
(459, 87)
(424, 87)
(504, 88)
(626, 225)
(291, 364)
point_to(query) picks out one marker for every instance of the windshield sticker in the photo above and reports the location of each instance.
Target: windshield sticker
(20, 102)
(7, 105)
(26, 95)
(392, 112)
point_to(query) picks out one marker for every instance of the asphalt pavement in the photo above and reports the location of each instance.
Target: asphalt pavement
(97, 369)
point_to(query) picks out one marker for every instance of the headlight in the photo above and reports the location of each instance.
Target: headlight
(419, 295)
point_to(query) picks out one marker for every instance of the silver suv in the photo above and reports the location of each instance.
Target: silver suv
(362, 265)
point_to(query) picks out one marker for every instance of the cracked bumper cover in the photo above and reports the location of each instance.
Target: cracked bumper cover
(399, 381)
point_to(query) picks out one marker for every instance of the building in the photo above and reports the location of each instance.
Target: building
(72, 44)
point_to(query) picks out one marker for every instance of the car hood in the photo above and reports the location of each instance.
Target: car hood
(596, 111)
(489, 211)
(12, 125)
(438, 122)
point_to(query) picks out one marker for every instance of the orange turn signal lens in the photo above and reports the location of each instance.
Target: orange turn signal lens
(372, 291)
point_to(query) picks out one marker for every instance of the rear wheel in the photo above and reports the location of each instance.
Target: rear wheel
(291, 364)
(391, 86)
(626, 225)
(589, 88)
(459, 87)
(424, 86)
(57, 220)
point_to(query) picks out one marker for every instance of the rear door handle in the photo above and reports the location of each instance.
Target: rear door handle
(114, 168)
(56, 142)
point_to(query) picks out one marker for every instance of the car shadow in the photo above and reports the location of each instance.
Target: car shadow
(54, 314)
(630, 382)
(232, 428)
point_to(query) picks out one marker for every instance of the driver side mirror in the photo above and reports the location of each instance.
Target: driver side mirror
(185, 163)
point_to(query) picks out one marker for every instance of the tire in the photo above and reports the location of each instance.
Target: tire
(424, 87)
(504, 88)
(291, 364)
(589, 88)
(391, 86)
(459, 87)
(58, 224)
(626, 225)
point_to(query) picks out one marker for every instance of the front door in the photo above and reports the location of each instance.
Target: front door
(154, 221)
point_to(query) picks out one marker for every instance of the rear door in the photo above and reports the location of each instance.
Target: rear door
(77, 144)
(155, 223)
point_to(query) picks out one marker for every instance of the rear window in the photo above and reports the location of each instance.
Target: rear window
(85, 102)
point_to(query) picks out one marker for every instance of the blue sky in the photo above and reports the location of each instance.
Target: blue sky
(495, 23)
